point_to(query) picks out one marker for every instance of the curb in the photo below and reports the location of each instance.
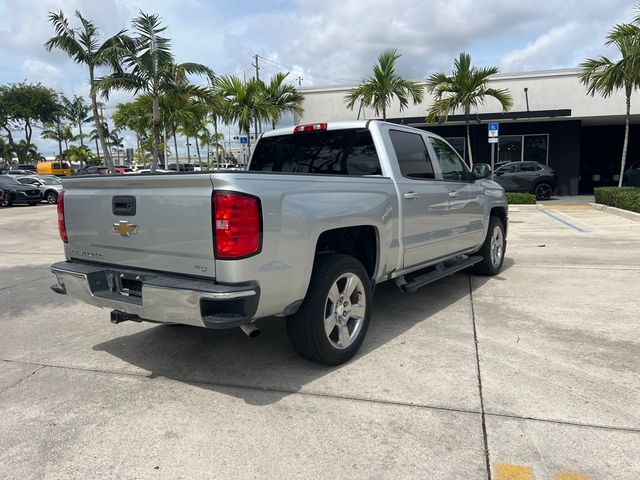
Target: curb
(518, 208)
(617, 211)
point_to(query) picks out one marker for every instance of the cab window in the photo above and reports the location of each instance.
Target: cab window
(452, 166)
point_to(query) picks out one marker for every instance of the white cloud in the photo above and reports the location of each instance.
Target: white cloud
(45, 73)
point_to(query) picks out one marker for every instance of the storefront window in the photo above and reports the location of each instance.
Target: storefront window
(510, 148)
(535, 148)
(527, 148)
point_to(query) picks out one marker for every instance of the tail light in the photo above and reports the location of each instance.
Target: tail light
(61, 224)
(237, 225)
(311, 127)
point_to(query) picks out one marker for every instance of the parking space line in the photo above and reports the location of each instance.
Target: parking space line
(507, 471)
(571, 225)
(571, 476)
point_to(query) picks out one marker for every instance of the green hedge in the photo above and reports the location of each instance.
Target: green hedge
(515, 198)
(627, 198)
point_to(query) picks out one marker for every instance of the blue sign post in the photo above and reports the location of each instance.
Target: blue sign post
(493, 139)
(244, 140)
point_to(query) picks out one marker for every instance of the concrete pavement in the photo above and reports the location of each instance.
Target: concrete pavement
(557, 340)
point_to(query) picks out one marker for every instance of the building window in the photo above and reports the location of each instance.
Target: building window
(524, 148)
(458, 144)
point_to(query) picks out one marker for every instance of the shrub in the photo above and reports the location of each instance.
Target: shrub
(627, 198)
(516, 198)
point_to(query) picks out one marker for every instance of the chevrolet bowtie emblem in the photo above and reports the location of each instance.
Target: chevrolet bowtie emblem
(124, 229)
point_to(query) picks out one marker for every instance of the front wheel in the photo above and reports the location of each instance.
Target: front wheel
(334, 317)
(493, 249)
(52, 198)
(5, 200)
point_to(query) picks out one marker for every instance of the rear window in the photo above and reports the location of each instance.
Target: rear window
(334, 152)
(55, 165)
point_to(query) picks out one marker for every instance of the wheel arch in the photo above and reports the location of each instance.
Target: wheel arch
(361, 242)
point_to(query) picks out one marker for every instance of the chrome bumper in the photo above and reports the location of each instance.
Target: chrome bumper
(158, 297)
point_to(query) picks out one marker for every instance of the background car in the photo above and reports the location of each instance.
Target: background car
(49, 185)
(61, 169)
(23, 167)
(632, 175)
(95, 170)
(13, 192)
(531, 177)
(181, 167)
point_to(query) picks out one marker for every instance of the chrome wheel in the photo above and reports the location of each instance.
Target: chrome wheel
(497, 246)
(344, 310)
(52, 198)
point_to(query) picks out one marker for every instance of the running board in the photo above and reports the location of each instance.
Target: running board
(441, 270)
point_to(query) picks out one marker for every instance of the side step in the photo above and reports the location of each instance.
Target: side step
(441, 270)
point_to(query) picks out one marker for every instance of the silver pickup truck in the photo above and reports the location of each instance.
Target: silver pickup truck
(323, 213)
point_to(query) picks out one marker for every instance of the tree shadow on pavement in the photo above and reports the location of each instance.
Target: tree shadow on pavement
(220, 359)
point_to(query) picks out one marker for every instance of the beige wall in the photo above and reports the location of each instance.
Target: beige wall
(550, 90)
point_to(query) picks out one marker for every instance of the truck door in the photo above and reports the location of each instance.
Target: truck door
(424, 199)
(466, 198)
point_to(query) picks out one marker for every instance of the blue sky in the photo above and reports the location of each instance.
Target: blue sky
(328, 42)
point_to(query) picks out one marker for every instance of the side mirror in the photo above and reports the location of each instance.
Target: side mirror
(481, 170)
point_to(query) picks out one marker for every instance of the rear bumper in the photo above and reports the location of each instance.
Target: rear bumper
(158, 297)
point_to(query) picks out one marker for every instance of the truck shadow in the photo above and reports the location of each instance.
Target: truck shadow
(265, 369)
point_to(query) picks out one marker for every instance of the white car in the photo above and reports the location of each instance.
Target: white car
(49, 185)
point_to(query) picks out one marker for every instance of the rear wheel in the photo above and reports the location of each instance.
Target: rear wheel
(543, 191)
(52, 197)
(334, 317)
(493, 249)
(5, 200)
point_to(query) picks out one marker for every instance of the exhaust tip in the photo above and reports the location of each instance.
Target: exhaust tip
(250, 330)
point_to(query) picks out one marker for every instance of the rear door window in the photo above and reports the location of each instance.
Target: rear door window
(412, 154)
(336, 152)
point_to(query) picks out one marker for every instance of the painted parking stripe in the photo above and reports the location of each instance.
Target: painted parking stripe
(571, 476)
(571, 225)
(507, 471)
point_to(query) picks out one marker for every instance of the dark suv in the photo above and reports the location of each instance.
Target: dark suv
(531, 177)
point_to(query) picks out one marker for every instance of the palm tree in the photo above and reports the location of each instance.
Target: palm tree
(604, 76)
(83, 45)
(116, 141)
(79, 154)
(54, 131)
(216, 109)
(212, 140)
(151, 69)
(76, 111)
(244, 102)
(466, 88)
(284, 97)
(380, 89)
(136, 117)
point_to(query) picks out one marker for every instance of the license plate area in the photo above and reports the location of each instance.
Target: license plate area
(116, 285)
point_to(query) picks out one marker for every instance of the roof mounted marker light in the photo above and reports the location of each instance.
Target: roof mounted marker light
(310, 127)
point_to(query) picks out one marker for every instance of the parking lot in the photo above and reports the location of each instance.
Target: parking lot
(534, 373)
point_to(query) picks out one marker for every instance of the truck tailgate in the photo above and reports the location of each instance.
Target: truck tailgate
(157, 222)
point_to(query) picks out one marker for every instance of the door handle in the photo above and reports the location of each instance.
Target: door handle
(411, 195)
(454, 194)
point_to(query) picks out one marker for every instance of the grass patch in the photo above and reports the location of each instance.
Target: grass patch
(627, 198)
(517, 198)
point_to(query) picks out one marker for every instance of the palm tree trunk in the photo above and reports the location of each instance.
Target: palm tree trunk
(188, 150)
(60, 146)
(97, 149)
(469, 143)
(384, 112)
(626, 139)
(175, 144)
(156, 133)
(215, 130)
(198, 151)
(96, 117)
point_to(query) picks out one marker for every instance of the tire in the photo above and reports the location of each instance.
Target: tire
(325, 299)
(543, 191)
(5, 200)
(51, 197)
(493, 249)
